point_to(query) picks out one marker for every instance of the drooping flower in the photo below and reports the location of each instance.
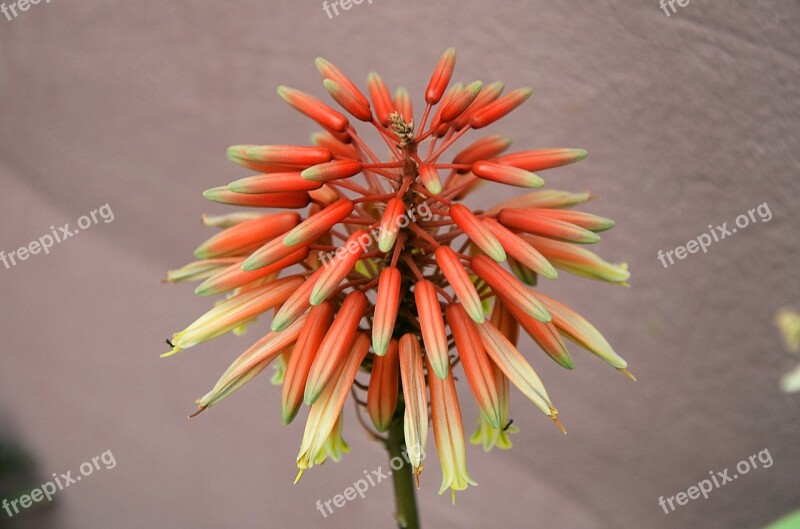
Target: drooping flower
(388, 273)
(448, 432)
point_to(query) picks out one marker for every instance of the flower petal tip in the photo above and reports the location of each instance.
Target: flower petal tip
(171, 352)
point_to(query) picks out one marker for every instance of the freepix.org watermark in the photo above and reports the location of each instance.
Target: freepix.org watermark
(715, 234)
(59, 483)
(370, 479)
(422, 211)
(332, 9)
(671, 4)
(10, 10)
(718, 479)
(48, 240)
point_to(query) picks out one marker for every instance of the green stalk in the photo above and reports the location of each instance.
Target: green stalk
(405, 493)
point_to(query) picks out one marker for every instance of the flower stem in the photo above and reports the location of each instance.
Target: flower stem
(404, 493)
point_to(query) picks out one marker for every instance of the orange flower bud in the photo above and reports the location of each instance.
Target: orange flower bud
(530, 222)
(508, 287)
(440, 127)
(296, 304)
(503, 319)
(477, 232)
(314, 108)
(579, 261)
(334, 347)
(402, 103)
(549, 198)
(585, 220)
(433, 332)
(390, 226)
(506, 174)
(546, 335)
(386, 305)
(273, 183)
(429, 176)
(459, 102)
(383, 387)
(247, 236)
(459, 279)
(482, 149)
(380, 98)
(358, 107)
(234, 277)
(340, 266)
(329, 71)
(477, 367)
(299, 365)
(290, 200)
(487, 95)
(332, 170)
(337, 148)
(292, 155)
(541, 159)
(499, 108)
(441, 77)
(268, 254)
(519, 249)
(319, 224)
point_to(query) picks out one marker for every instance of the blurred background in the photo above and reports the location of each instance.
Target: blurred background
(690, 120)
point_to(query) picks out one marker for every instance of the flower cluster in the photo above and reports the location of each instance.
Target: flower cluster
(429, 294)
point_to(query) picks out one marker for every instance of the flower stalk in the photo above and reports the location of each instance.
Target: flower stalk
(405, 494)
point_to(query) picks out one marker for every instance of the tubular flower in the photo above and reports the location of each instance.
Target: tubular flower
(477, 366)
(383, 388)
(375, 266)
(325, 412)
(386, 307)
(299, 364)
(448, 433)
(488, 435)
(415, 422)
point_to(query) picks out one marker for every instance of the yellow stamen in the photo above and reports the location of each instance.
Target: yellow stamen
(628, 374)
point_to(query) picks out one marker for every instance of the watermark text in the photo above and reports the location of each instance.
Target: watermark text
(718, 479)
(59, 483)
(715, 234)
(48, 240)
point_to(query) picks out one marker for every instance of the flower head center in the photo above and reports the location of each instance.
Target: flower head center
(403, 129)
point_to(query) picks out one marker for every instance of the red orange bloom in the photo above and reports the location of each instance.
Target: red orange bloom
(389, 274)
(383, 388)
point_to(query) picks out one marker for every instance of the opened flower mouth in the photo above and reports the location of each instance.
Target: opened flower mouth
(386, 275)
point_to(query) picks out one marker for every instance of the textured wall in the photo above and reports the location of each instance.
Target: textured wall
(689, 119)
